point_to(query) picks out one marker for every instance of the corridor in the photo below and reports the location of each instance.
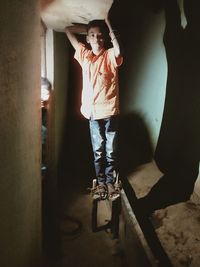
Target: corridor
(47, 221)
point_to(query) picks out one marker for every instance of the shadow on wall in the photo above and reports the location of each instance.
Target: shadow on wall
(76, 162)
(135, 147)
(126, 20)
(135, 143)
(178, 149)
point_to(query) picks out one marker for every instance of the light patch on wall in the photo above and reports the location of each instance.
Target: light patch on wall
(150, 75)
(151, 93)
(183, 18)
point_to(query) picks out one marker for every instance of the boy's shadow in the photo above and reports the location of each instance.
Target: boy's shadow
(134, 141)
(178, 149)
(135, 147)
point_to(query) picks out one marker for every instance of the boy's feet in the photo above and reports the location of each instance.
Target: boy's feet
(112, 193)
(102, 191)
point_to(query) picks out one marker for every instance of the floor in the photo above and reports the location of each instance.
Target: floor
(177, 226)
(79, 245)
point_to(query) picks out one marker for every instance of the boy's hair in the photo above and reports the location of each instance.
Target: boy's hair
(100, 24)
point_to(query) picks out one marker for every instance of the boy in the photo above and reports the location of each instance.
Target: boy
(100, 97)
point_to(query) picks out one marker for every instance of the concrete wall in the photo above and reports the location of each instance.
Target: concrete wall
(144, 71)
(57, 73)
(20, 134)
(143, 79)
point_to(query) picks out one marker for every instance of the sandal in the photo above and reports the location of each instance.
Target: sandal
(102, 191)
(112, 193)
(118, 187)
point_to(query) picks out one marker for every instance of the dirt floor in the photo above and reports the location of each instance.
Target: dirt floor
(177, 226)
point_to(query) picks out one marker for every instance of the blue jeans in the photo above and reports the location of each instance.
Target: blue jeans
(103, 134)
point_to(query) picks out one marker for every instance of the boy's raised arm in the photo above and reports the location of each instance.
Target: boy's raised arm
(113, 37)
(71, 32)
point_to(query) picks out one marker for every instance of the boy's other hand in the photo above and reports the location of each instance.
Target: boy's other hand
(77, 28)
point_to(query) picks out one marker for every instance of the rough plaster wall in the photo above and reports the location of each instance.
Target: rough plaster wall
(57, 73)
(20, 181)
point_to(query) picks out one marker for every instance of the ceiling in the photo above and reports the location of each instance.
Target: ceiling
(57, 14)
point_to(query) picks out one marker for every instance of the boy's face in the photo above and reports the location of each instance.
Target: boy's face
(95, 38)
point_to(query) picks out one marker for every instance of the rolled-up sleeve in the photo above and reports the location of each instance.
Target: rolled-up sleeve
(115, 61)
(79, 53)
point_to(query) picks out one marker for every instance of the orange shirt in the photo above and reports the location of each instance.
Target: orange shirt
(100, 93)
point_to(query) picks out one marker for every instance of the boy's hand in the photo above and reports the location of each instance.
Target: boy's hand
(71, 31)
(76, 28)
(113, 37)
